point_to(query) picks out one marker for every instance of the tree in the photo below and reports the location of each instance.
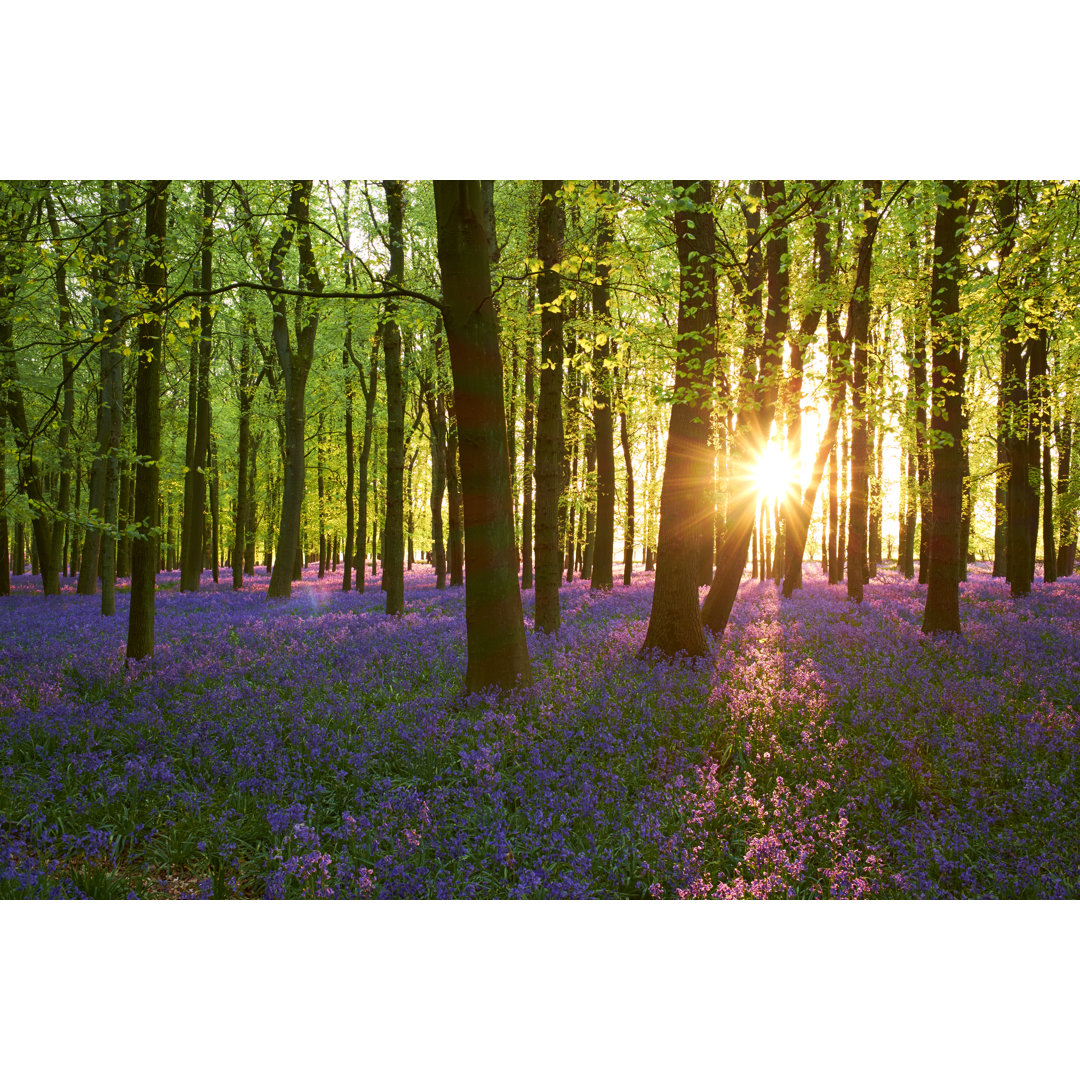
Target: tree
(550, 450)
(495, 626)
(603, 423)
(674, 620)
(942, 595)
(191, 549)
(393, 537)
(144, 548)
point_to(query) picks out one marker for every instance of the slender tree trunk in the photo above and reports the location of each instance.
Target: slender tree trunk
(628, 464)
(834, 515)
(495, 627)
(528, 448)
(5, 540)
(1015, 405)
(1041, 385)
(215, 512)
(757, 409)
(295, 367)
(191, 548)
(857, 505)
(603, 421)
(550, 446)
(144, 553)
(437, 421)
(845, 480)
(943, 593)
(243, 506)
(798, 508)
(320, 486)
(68, 413)
(674, 620)
(456, 554)
(393, 537)
(1066, 509)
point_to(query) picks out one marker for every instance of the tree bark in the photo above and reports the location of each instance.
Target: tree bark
(674, 620)
(550, 446)
(495, 627)
(295, 366)
(144, 548)
(943, 590)
(1015, 417)
(393, 578)
(857, 504)
(192, 543)
(528, 449)
(603, 420)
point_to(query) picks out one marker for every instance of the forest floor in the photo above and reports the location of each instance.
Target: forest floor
(314, 748)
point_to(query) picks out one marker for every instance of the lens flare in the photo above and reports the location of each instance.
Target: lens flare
(773, 473)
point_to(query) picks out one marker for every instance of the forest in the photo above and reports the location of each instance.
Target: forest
(539, 539)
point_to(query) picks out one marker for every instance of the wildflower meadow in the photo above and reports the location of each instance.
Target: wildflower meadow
(316, 748)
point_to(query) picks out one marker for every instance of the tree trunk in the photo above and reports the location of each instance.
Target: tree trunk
(603, 420)
(436, 407)
(1066, 508)
(756, 410)
(1015, 405)
(192, 544)
(528, 448)
(674, 620)
(628, 464)
(144, 553)
(243, 496)
(798, 508)
(456, 554)
(943, 591)
(393, 578)
(550, 447)
(295, 366)
(857, 504)
(5, 565)
(1041, 386)
(68, 412)
(495, 627)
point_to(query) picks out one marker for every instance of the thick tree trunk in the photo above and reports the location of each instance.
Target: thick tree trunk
(943, 591)
(144, 548)
(495, 627)
(550, 448)
(674, 619)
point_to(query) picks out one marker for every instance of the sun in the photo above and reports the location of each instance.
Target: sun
(773, 473)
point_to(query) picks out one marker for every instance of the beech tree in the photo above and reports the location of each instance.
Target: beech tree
(495, 626)
(674, 619)
(942, 596)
